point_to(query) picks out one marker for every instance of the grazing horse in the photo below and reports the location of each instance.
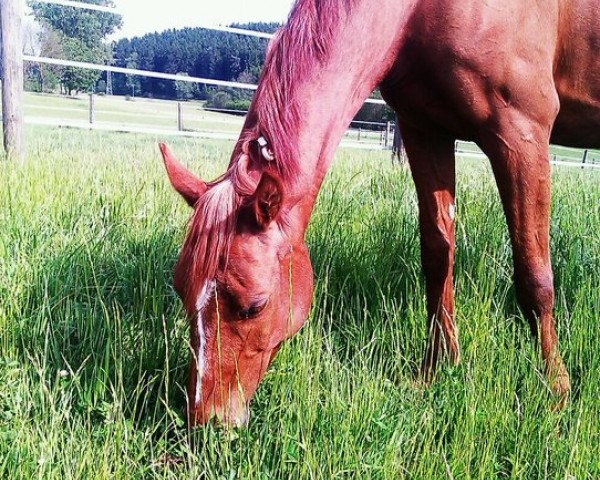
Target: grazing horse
(510, 75)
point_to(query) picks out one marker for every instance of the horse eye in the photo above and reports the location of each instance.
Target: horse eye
(253, 311)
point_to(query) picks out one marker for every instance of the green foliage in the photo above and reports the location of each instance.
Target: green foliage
(241, 105)
(49, 78)
(132, 82)
(32, 78)
(194, 51)
(80, 79)
(45, 42)
(229, 99)
(185, 90)
(371, 112)
(88, 26)
(80, 34)
(94, 341)
(101, 86)
(266, 27)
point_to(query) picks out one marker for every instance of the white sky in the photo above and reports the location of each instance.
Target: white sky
(143, 16)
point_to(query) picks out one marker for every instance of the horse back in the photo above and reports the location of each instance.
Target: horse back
(460, 62)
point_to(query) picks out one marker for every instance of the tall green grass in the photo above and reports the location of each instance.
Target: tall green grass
(94, 352)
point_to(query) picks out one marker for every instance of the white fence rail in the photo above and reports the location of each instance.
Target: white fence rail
(151, 74)
(82, 5)
(134, 71)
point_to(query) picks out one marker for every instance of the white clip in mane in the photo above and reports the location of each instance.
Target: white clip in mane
(267, 153)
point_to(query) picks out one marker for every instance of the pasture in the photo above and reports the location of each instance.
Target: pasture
(117, 113)
(94, 342)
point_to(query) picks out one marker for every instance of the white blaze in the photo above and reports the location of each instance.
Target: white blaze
(452, 211)
(201, 302)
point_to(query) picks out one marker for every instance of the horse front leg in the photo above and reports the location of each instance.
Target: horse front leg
(519, 150)
(431, 159)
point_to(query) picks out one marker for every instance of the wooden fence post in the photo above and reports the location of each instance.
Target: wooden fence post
(11, 20)
(92, 108)
(388, 134)
(180, 116)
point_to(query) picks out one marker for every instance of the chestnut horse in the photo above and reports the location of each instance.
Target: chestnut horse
(510, 75)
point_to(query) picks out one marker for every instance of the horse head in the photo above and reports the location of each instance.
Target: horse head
(244, 276)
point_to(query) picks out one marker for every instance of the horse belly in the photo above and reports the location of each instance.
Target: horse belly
(577, 75)
(577, 124)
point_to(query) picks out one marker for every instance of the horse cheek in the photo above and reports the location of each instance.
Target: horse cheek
(302, 285)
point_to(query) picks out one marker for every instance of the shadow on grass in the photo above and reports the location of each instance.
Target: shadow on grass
(104, 317)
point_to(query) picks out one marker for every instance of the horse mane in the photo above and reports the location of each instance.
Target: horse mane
(306, 40)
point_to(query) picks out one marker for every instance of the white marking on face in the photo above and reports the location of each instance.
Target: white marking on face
(452, 211)
(204, 296)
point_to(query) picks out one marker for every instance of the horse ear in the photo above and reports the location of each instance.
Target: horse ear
(188, 185)
(268, 199)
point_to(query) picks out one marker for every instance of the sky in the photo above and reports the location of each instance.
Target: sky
(143, 16)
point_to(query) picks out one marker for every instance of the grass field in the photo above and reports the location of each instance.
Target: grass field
(120, 113)
(117, 113)
(93, 341)
(133, 112)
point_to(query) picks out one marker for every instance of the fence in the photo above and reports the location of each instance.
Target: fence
(563, 156)
(164, 118)
(14, 102)
(360, 135)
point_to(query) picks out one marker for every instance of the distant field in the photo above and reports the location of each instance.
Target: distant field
(94, 342)
(134, 112)
(120, 113)
(142, 114)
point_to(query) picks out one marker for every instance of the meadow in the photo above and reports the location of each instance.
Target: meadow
(94, 342)
(118, 113)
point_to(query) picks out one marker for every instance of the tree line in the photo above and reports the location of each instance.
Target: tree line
(195, 52)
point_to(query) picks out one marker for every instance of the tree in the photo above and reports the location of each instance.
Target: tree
(41, 41)
(81, 34)
(89, 26)
(185, 90)
(81, 79)
(132, 82)
(195, 51)
(374, 112)
(31, 46)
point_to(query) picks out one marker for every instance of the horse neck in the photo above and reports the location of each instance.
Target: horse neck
(330, 91)
(364, 48)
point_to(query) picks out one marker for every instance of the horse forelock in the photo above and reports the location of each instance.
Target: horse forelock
(211, 228)
(213, 225)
